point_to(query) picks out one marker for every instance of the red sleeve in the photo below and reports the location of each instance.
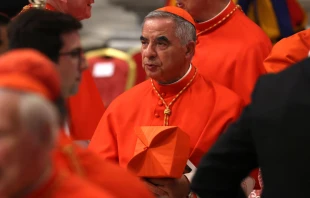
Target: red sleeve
(104, 140)
(287, 52)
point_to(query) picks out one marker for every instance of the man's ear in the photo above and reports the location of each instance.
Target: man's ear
(190, 49)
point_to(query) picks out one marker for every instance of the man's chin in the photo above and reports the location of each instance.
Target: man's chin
(84, 16)
(74, 90)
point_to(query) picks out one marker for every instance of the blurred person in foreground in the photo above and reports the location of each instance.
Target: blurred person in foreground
(29, 126)
(66, 155)
(272, 133)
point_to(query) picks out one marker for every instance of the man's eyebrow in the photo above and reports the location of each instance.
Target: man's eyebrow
(142, 38)
(162, 38)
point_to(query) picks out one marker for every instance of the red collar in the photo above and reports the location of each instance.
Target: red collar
(205, 25)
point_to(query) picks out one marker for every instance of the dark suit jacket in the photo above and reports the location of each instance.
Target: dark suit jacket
(273, 133)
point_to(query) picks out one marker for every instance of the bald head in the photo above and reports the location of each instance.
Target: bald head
(80, 9)
(28, 128)
(39, 118)
(30, 113)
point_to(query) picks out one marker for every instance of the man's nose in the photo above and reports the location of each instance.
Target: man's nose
(149, 51)
(84, 63)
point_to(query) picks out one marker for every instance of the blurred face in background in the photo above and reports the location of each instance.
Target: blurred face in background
(71, 63)
(80, 9)
(20, 156)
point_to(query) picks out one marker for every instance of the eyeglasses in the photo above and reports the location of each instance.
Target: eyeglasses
(76, 53)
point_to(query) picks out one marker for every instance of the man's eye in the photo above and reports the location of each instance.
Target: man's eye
(161, 44)
(75, 54)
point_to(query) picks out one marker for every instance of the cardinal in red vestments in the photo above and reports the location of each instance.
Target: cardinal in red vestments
(86, 107)
(230, 47)
(67, 156)
(288, 51)
(175, 95)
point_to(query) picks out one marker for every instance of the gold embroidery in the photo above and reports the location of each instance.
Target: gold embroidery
(168, 111)
(221, 21)
(68, 150)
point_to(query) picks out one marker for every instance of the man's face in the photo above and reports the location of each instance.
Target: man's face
(193, 7)
(81, 9)
(4, 41)
(17, 152)
(163, 55)
(71, 63)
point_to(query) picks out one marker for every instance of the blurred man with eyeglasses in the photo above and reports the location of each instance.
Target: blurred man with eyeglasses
(87, 101)
(56, 35)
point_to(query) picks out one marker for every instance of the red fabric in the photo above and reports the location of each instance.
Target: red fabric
(296, 12)
(288, 51)
(64, 185)
(179, 12)
(115, 140)
(141, 75)
(233, 52)
(36, 66)
(110, 86)
(91, 167)
(25, 83)
(85, 109)
(158, 144)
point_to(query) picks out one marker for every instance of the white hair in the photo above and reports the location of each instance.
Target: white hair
(39, 117)
(184, 30)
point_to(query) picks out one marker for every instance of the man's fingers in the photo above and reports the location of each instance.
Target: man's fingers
(155, 190)
(161, 182)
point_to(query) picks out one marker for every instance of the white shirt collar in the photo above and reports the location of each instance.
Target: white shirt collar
(189, 69)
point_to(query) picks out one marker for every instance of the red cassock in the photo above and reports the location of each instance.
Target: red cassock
(203, 111)
(64, 185)
(288, 51)
(89, 166)
(230, 50)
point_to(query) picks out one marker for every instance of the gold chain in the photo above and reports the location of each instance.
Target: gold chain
(167, 111)
(221, 21)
